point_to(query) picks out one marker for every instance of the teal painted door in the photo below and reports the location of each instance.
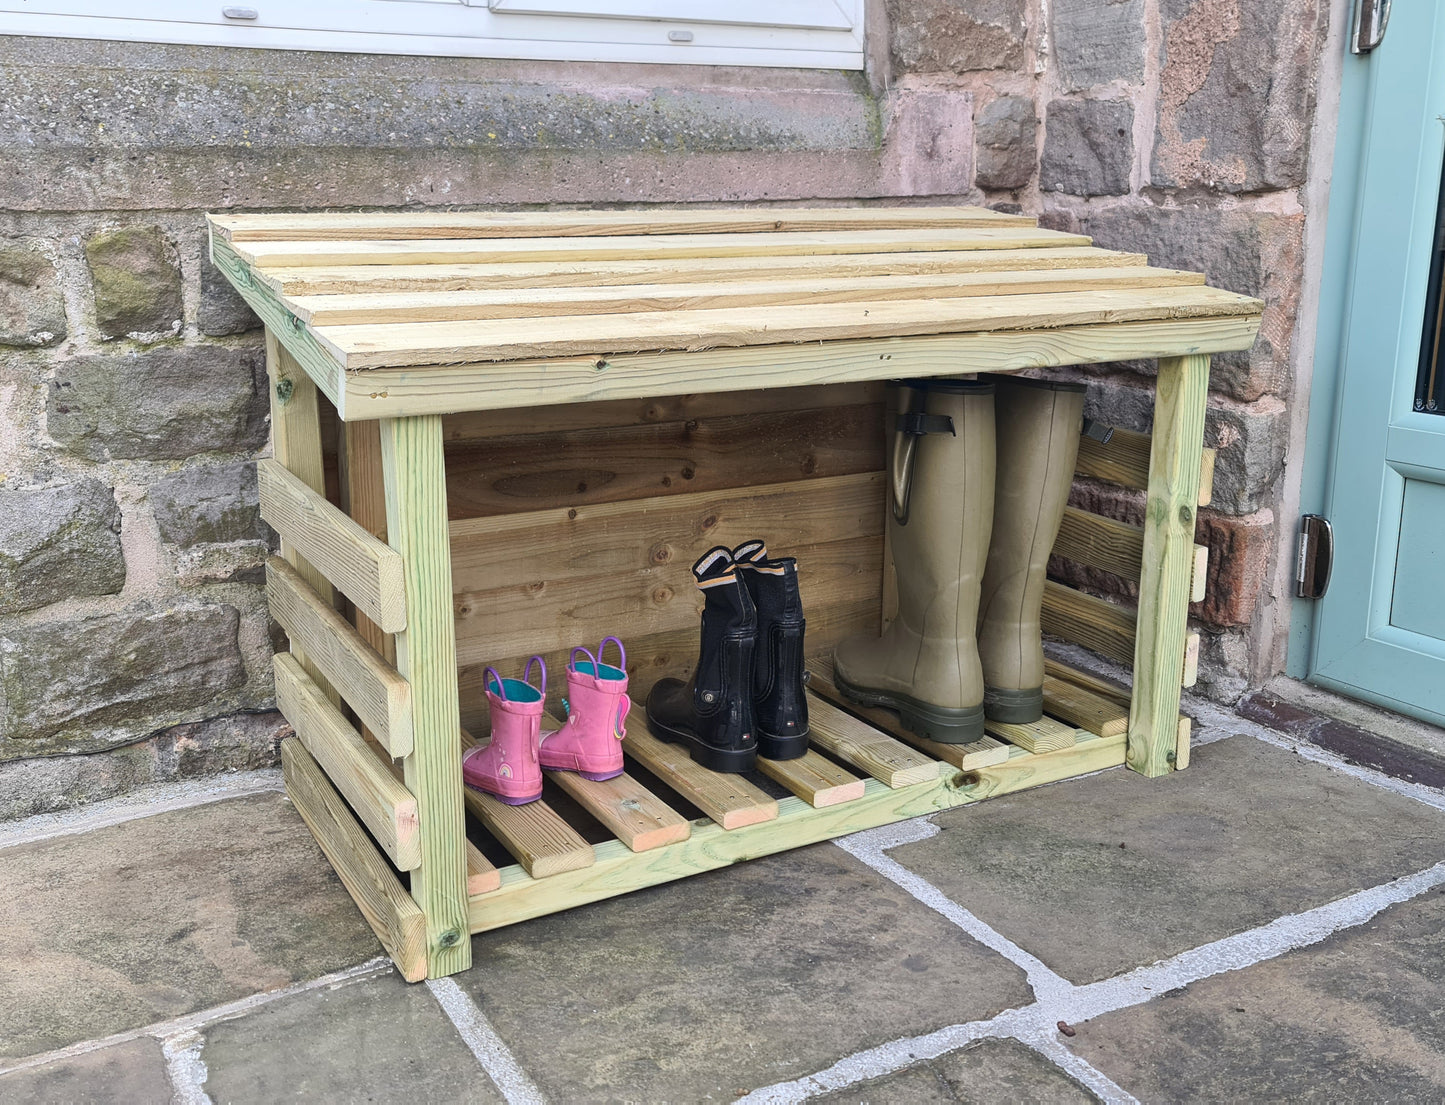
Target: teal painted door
(1380, 628)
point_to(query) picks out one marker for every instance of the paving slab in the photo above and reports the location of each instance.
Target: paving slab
(985, 1072)
(712, 986)
(134, 1071)
(1356, 1017)
(376, 1039)
(143, 921)
(1100, 875)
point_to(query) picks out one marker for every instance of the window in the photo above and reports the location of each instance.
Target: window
(820, 34)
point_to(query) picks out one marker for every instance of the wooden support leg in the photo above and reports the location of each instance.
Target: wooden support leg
(426, 653)
(1164, 585)
(296, 445)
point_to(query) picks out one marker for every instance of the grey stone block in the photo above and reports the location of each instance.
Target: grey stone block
(45, 784)
(222, 309)
(1235, 100)
(102, 680)
(163, 404)
(32, 312)
(1148, 868)
(154, 918)
(1006, 131)
(1243, 251)
(208, 504)
(957, 36)
(58, 542)
(1355, 1017)
(134, 1071)
(987, 1070)
(137, 284)
(715, 985)
(1250, 438)
(1098, 41)
(1088, 147)
(377, 1039)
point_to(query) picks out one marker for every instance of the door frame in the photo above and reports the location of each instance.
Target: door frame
(1340, 258)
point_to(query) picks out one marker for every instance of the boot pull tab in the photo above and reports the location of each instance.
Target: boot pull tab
(621, 655)
(492, 680)
(572, 660)
(527, 674)
(911, 425)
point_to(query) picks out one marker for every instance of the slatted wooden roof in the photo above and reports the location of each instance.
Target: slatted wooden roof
(425, 312)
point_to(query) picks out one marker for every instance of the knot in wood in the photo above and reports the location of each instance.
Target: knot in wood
(284, 388)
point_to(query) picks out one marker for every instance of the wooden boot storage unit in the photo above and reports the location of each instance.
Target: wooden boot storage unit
(499, 434)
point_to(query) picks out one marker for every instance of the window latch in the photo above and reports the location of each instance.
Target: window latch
(240, 13)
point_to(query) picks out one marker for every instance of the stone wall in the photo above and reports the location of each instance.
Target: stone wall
(134, 644)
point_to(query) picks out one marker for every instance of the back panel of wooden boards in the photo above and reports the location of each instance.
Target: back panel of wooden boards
(573, 523)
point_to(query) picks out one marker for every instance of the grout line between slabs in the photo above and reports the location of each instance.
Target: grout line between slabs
(1035, 1025)
(188, 1022)
(144, 802)
(491, 1052)
(186, 1068)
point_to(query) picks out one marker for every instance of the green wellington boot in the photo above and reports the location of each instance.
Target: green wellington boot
(1038, 424)
(941, 475)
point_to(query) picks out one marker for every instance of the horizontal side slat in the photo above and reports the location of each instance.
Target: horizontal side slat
(1092, 683)
(1113, 546)
(1103, 627)
(370, 686)
(367, 571)
(1089, 621)
(889, 761)
(485, 340)
(382, 803)
(1124, 459)
(356, 279)
(377, 308)
(396, 919)
(318, 226)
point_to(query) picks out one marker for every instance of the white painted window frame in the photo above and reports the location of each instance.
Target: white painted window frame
(815, 34)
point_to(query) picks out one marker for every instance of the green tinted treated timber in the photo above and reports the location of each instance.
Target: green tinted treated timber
(282, 327)
(426, 654)
(296, 445)
(619, 871)
(1164, 585)
(373, 885)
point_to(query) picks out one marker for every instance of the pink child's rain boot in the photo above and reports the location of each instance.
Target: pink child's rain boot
(590, 743)
(507, 767)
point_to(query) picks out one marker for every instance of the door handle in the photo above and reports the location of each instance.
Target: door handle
(1371, 19)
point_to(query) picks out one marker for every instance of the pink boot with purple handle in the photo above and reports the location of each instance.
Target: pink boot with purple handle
(590, 743)
(507, 767)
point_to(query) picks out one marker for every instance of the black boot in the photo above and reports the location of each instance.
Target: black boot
(712, 713)
(780, 704)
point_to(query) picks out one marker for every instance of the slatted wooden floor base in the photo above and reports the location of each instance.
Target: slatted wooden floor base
(863, 770)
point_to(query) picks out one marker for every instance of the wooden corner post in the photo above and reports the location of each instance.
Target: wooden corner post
(426, 654)
(1174, 463)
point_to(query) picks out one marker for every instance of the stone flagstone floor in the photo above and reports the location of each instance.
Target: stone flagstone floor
(1268, 924)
